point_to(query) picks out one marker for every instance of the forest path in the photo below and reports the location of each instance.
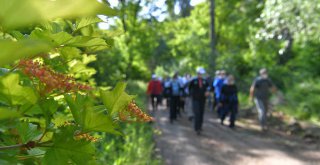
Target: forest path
(178, 144)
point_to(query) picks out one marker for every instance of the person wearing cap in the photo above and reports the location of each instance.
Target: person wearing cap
(199, 89)
(260, 94)
(154, 90)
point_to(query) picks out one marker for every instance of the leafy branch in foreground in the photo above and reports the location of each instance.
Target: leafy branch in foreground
(51, 112)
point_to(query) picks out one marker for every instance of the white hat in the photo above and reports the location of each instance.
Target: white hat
(201, 71)
(153, 76)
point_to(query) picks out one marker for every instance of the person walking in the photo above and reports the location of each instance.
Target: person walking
(260, 94)
(217, 84)
(182, 81)
(166, 90)
(154, 90)
(210, 97)
(229, 101)
(199, 89)
(216, 78)
(188, 99)
(175, 91)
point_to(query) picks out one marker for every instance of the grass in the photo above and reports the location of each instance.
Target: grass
(137, 146)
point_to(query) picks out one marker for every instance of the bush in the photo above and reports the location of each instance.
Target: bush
(304, 100)
(137, 146)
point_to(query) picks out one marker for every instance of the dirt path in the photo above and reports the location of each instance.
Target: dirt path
(179, 144)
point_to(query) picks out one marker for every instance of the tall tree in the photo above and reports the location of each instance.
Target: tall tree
(212, 34)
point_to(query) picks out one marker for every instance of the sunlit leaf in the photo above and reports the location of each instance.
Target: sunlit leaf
(55, 39)
(70, 52)
(17, 13)
(83, 22)
(117, 99)
(85, 41)
(59, 119)
(15, 94)
(14, 50)
(8, 114)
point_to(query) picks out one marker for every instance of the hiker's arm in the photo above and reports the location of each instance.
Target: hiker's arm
(272, 86)
(251, 92)
(273, 89)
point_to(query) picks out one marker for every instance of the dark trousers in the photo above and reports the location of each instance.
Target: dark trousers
(215, 102)
(220, 111)
(198, 111)
(180, 106)
(174, 105)
(232, 109)
(155, 104)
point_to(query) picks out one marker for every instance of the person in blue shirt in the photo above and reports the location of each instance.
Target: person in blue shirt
(216, 77)
(175, 93)
(217, 84)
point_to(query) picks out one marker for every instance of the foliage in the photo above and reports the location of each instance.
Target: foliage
(303, 100)
(279, 35)
(50, 108)
(136, 146)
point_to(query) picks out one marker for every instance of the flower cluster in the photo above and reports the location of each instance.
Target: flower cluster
(135, 112)
(51, 79)
(86, 137)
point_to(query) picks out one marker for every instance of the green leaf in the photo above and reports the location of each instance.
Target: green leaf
(76, 106)
(8, 114)
(53, 27)
(31, 109)
(49, 107)
(28, 131)
(17, 35)
(65, 149)
(98, 121)
(17, 13)
(13, 93)
(80, 69)
(89, 117)
(59, 119)
(117, 99)
(86, 41)
(70, 53)
(83, 22)
(56, 39)
(14, 50)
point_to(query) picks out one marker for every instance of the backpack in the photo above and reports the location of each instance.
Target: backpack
(175, 88)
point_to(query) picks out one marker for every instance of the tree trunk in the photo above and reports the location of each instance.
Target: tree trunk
(213, 54)
(185, 8)
(123, 4)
